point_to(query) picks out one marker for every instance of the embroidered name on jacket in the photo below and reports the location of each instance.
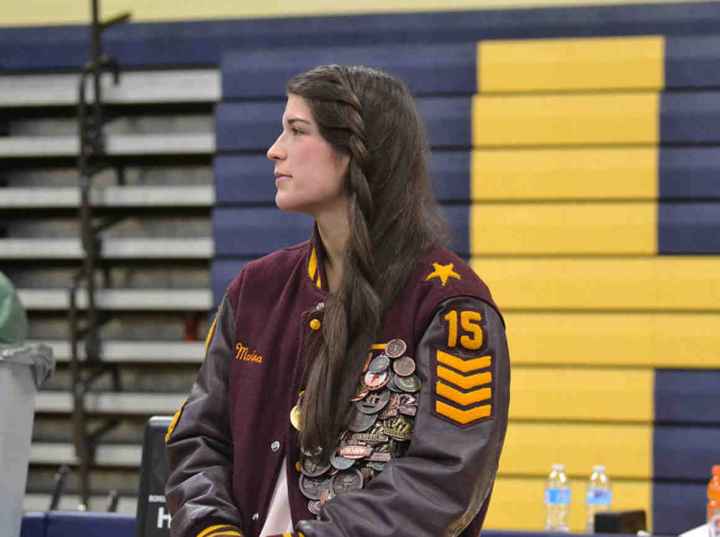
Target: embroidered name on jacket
(246, 354)
(463, 389)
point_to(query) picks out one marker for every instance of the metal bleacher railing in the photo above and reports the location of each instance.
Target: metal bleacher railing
(86, 330)
(160, 294)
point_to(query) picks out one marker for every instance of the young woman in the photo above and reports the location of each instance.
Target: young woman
(356, 384)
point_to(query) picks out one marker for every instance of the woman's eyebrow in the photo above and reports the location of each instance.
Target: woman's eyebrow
(297, 119)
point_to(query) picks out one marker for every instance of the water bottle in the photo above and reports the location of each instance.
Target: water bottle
(713, 505)
(598, 497)
(557, 499)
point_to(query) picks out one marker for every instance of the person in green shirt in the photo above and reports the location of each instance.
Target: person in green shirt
(13, 320)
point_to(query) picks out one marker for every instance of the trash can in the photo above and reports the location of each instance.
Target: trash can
(23, 368)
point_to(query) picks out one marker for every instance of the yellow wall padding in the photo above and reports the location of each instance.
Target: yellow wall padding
(531, 448)
(579, 64)
(552, 120)
(517, 503)
(565, 228)
(565, 174)
(687, 283)
(686, 340)
(43, 12)
(589, 395)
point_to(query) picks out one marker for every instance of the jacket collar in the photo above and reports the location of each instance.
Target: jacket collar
(316, 261)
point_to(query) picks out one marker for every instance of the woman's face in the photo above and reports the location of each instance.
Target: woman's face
(309, 173)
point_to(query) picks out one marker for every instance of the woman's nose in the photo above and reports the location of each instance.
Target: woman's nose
(275, 152)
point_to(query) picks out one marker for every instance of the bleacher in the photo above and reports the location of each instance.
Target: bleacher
(575, 157)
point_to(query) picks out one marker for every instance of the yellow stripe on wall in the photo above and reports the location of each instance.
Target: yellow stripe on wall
(547, 120)
(654, 283)
(44, 12)
(564, 228)
(561, 174)
(629, 339)
(625, 449)
(517, 503)
(606, 63)
(563, 394)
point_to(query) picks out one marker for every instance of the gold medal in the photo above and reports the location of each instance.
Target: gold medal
(296, 413)
(296, 417)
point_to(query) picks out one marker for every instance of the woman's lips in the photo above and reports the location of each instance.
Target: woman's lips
(281, 178)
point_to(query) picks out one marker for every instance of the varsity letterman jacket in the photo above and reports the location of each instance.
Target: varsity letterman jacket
(227, 442)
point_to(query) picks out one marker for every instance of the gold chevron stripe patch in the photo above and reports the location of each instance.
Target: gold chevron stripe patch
(465, 366)
(460, 387)
(462, 398)
(466, 382)
(463, 417)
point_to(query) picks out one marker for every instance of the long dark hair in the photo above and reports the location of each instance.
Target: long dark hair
(394, 218)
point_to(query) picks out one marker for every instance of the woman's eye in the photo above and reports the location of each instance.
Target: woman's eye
(296, 131)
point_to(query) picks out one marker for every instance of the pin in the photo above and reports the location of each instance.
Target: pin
(314, 507)
(374, 402)
(379, 364)
(312, 468)
(312, 486)
(375, 381)
(377, 466)
(404, 366)
(392, 384)
(380, 456)
(347, 481)
(391, 410)
(409, 384)
(362, 422)
(341, 463)
(355, 451)
(399, 428)
(395, 348)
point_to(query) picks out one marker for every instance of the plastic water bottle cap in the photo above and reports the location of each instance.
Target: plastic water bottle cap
(558, 467)
(599, 468)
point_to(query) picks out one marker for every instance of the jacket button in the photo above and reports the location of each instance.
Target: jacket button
(315, 324)
(255, 516)
(275, 446)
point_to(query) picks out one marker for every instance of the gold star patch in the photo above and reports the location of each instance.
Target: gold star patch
(444, 272)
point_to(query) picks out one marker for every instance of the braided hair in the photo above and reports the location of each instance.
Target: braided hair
(371, 117)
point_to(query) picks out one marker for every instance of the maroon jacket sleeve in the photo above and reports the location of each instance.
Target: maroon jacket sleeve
(199, 445)
(443, 482)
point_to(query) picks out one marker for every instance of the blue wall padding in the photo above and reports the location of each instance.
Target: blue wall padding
(685, 453)
(689, 228)
(202, 43)
(690, 173)
(692, 62)
(687, 396)
(251, 126)
(248, 179)
(256, 231)
(63, 524)
(221, 274)
(243, 179)
(427, 69)
(450, 173)
(254, 126)
(678, 507)
(690, 118)
(33, 525)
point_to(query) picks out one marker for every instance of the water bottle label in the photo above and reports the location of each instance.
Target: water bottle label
(714, 526)
(555, 496)
(599, 497)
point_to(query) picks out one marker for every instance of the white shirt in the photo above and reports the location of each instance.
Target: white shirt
(279, 519)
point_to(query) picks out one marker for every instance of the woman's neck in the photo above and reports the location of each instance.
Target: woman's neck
(334, 232)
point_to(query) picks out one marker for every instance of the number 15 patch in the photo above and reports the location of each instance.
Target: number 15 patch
(463, 386)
